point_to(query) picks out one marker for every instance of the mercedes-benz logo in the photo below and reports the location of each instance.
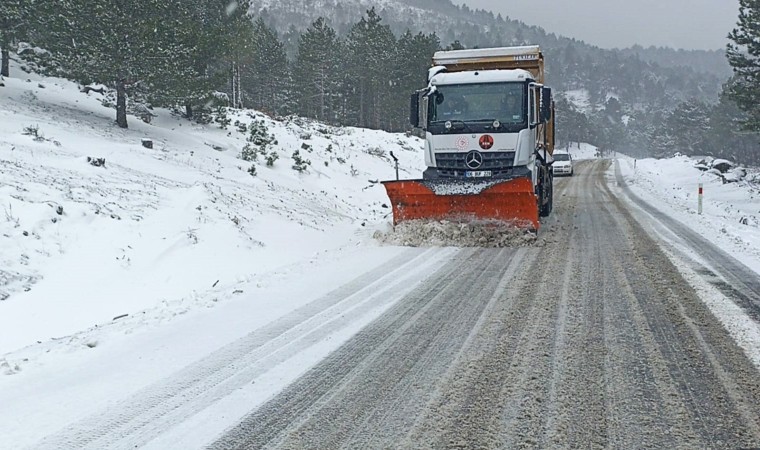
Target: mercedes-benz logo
(473, 160)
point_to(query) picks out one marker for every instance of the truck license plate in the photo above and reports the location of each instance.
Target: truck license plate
(477, 173)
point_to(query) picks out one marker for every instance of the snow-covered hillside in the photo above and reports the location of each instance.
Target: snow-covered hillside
(183, 223)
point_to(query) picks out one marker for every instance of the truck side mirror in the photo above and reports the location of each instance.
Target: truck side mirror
(534, 104)
(414, 110)
(424, 109)
(418, 109)
(546, 104)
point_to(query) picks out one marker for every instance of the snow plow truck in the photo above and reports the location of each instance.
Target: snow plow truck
(489, 138)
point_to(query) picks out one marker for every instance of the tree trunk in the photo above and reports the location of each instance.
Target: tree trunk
(121, 104)
(6, 62)
(361, 105)
(322, 94)
(233, 80)
(189, 111)
(239, 83)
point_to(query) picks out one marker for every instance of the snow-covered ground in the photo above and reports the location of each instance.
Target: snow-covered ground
(147, 228)
(730, 211)
(179, 244)
(580, 100)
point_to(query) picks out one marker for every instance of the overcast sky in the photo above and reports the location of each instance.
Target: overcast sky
(688, 24)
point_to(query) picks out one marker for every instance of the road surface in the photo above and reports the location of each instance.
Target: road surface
(593, 340)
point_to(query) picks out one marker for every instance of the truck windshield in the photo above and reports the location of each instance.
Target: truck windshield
(504, 102)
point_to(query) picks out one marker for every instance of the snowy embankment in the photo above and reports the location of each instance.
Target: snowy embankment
(730, 210)
(158, 232)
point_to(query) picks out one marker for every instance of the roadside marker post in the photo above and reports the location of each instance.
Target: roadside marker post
(699, 208)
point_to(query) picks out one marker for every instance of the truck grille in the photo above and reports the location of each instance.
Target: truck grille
(453, 164)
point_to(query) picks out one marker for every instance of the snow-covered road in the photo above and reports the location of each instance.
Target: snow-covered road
(594, 340)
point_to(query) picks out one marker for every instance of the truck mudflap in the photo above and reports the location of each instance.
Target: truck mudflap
(506, 201)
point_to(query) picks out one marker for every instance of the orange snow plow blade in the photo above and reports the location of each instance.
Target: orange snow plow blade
(512, 201)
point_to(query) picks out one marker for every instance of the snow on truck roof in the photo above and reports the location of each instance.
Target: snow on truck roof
(457, 56)
(480, 76)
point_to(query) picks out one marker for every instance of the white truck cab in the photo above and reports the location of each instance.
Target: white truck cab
(480, 124)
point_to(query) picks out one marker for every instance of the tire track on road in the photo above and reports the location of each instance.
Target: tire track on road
(152, 411)
(719, 387)
(364, 394)
(730, 276)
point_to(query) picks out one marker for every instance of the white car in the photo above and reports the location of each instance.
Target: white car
(563, 164)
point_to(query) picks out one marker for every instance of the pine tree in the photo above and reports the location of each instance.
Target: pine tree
(412, 59)
(609, 132)
(571, 124)
(689, 124)
(317, 72)
(216, 32)
(662, 142)
(239, 59)
(639, 128)
(727, 139)
(370, 47)
(266, 72)
(744, 56)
